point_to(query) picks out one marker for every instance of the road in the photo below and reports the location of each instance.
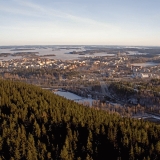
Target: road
(104, 88)
(106, 92)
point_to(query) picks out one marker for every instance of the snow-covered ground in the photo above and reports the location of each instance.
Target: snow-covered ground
(147, 64)
(62, 54)
(136, 53)
(74, 97)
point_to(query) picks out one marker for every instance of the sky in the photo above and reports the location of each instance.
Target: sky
(80, 22)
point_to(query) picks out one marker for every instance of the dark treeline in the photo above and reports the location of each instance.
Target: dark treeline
(42, 72)
(36, 124)
(146, 93)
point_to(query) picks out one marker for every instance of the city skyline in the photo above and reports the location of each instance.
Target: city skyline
(80, 23)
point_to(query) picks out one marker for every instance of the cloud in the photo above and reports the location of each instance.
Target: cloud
(29, 4)
(90, 21)
(53, 24)
(18, 11)
(50, 13)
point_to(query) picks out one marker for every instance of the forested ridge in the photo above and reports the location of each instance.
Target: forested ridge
(36, 124)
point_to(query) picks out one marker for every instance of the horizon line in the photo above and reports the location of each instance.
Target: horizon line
(80, 45)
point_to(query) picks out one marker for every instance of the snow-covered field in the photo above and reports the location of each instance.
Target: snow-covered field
(74, 97)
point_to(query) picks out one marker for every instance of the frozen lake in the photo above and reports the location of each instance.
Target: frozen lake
(147, 64)
(62, 54)
(132, 53)
(74, 97)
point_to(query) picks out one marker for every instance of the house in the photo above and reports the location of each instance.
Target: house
(143, 75)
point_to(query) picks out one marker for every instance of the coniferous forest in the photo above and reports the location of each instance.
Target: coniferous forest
(36, 124)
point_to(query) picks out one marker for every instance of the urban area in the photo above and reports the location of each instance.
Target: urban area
(124, 80)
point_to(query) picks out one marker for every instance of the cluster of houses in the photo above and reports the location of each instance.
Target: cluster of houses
(146, 72)
(40, 63)
(109, 66)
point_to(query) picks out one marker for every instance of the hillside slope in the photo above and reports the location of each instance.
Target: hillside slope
(36, 124)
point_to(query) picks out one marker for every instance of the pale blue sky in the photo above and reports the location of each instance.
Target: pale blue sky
(87, 22)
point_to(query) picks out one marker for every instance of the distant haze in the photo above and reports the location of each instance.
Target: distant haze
(70, 22)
